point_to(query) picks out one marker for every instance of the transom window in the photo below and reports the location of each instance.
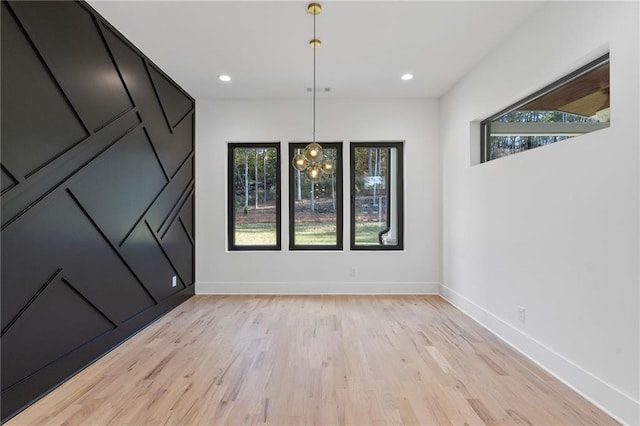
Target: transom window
(574, 105)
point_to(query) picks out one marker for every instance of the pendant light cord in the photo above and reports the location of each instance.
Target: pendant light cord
(314, 79)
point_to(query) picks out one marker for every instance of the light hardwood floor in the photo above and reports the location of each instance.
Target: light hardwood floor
(317, 360)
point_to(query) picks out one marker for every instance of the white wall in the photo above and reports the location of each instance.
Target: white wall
(555, 229)
(414, 270)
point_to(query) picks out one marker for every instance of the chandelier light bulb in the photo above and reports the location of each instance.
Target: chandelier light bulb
(313, 152)
(300, 162)
(314, 173)
(328, 167)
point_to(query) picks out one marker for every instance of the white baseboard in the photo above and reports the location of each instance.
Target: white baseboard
(617, 404)
(316, 288)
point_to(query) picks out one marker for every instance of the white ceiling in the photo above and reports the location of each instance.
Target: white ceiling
(366, 46)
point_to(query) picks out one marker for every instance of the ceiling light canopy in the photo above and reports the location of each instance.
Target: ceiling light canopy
(224, 77)
(407, 76)
(310, 159)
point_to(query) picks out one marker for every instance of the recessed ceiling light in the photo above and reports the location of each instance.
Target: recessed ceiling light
(224, 77)
(407, 77)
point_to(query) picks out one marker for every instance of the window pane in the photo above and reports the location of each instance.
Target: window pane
(316, 208)
(254, 212)
(572, 106)
(376, 189)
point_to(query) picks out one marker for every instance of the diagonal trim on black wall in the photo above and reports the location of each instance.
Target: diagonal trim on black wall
(115, 250)
(50, 178)
(30, 301)
(113, 321)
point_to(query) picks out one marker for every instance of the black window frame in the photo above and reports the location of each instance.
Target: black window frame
(232, 246)
(485, 124)
(339, 199)
(399, 145)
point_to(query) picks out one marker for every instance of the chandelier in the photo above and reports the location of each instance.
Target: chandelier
(310, 160)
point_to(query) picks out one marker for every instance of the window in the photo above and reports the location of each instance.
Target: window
(574, 105)
(315, 209)
(254, 196)
(376, 196)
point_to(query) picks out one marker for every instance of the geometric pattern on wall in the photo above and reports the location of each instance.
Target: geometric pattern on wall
(97, 174)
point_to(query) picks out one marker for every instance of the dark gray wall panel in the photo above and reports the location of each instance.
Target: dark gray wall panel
(174, 103)
(158, 215)
(127, 176)
(178, 247)
(36, 117)
(136, 75)
(183, 138)
(149, 262)
(89, 161)
(7, 180)
(59, 235)
(48, 329)
(65, 34)
(28, 192)
(186, 216)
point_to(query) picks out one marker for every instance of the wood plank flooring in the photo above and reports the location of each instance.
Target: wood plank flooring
(314, 360)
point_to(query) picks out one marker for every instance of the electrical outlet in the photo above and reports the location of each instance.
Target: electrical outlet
(352, 273)
(174, 281)
(521, 314)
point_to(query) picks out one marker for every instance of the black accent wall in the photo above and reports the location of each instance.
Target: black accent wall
(97, 194)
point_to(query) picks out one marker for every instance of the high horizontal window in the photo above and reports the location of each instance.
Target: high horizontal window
(315, 209)
(574, 105)
(254, 196)
(376, 196)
